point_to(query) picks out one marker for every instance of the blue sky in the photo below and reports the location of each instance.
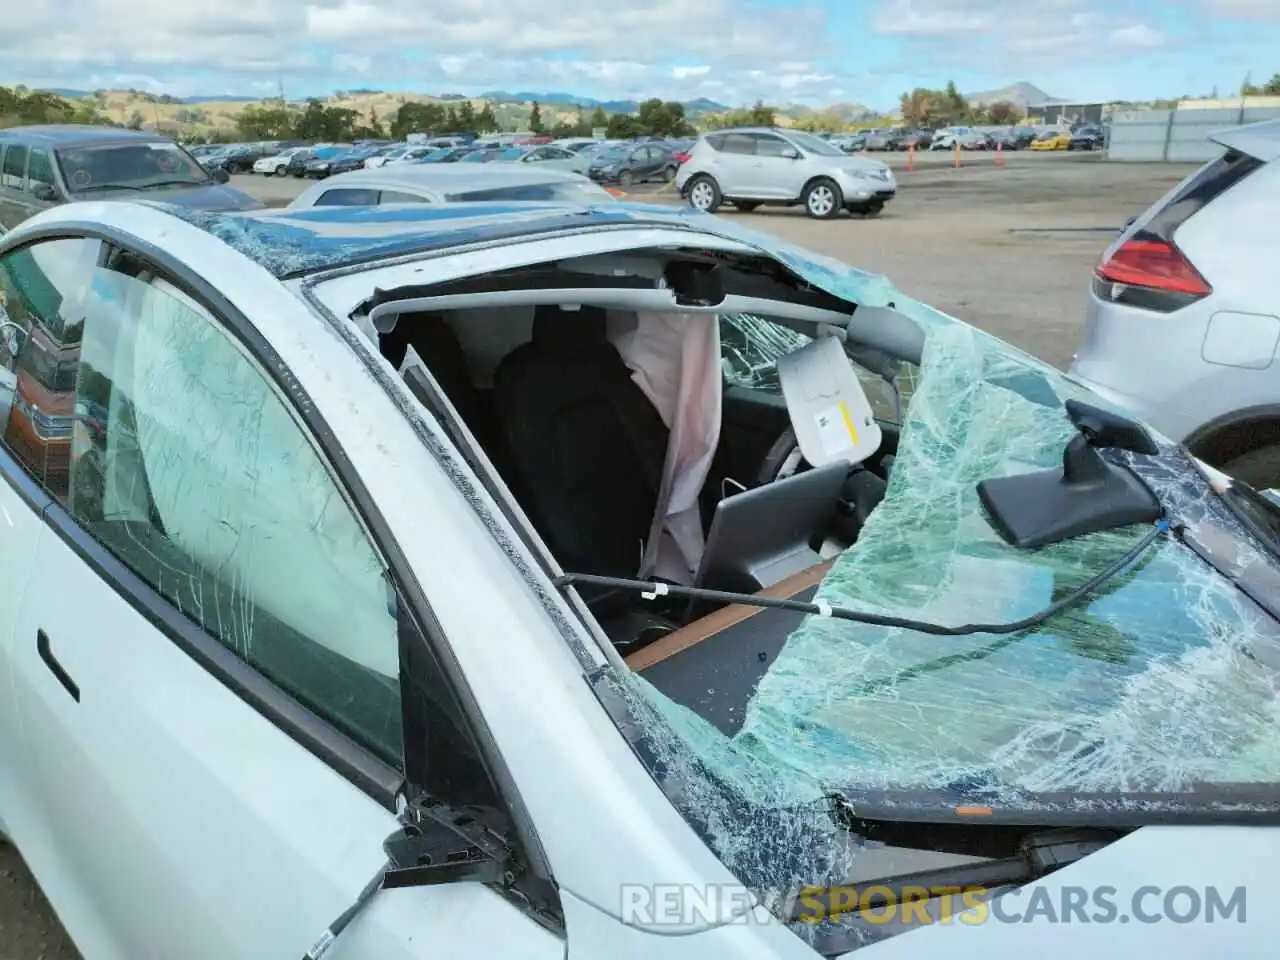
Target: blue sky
(735, 51)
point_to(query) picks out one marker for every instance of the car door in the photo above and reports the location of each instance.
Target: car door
(206, 662)
(735, 165)
(21, 499)
(15, 202)
(775, 176)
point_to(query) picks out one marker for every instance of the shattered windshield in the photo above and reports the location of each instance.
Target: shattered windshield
(1162, 680)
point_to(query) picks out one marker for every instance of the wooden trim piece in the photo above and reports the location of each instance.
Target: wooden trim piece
(724, 618)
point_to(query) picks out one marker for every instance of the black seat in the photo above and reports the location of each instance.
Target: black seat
(585, 443)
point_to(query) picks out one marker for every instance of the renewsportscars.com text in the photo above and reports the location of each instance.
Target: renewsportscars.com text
(680, 904)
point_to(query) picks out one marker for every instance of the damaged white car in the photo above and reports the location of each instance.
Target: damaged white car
(552, 580)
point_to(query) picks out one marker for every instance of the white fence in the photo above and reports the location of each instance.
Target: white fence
(1177, 136)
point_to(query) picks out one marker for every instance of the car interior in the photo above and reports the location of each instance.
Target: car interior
(547, 397)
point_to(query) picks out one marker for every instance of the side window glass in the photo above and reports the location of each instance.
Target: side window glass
(767, 146)
(749, 351)
(42, 304)
(739, 143)
(716, 141)
(14, 167)
(347, 197)
(189, 466)
(395, 196)
(39, 169)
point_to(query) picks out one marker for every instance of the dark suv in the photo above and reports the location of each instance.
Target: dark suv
(47, 165)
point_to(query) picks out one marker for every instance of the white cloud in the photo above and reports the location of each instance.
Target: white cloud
(1014, 31)
(1137, 36)
(321, 44)
(1244, 9)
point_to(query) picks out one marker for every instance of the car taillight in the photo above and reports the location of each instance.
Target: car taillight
(681, 157)
(1153, 264)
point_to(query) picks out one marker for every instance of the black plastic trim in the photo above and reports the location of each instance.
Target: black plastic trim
(44, 650)
(1232, 434)
(1143, 298)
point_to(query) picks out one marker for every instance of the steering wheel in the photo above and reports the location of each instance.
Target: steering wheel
(783, 460)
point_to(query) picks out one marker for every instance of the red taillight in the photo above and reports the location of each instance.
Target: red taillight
(681, 157)
(1155, 264)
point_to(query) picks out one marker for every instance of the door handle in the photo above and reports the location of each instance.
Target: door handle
(57, 669)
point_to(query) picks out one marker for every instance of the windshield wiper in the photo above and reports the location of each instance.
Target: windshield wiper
(175, 183)
(1039, 854)
(651, 590)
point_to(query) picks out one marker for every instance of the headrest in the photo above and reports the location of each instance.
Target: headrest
(561, 331)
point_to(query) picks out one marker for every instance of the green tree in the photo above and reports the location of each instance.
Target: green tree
(451, 119)
(1004, 114)
(267, 121)
(762, 116)
(466, 116)
(1272, 87)
(486, 122)
(599, 118)
(535, 118)
(415, 117)
(135, 120)
(376, 129)
(623, 126)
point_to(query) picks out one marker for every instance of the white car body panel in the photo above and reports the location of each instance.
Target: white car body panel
(228, 839)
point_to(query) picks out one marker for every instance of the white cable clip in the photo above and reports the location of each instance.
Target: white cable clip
(824, 608)
(659, 590)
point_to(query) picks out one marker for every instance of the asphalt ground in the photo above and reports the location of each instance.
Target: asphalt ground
(1007, 246)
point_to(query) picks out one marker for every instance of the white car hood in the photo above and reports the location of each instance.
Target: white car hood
(1165, 858)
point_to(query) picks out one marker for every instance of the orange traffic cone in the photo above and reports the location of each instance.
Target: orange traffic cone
(957, 154)
(999, 154)
(911, 156)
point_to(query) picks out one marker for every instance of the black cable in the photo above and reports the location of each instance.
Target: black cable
(652, 591)
(335, 929)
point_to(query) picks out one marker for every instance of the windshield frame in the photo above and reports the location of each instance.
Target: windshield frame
(70, 175)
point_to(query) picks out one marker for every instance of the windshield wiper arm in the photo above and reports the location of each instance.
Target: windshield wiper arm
(1039, 854)
(651, 590)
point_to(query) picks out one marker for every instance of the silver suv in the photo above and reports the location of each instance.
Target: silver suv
(766, 165)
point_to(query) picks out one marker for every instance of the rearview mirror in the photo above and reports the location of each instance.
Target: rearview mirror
(43, 191)
(220, 175)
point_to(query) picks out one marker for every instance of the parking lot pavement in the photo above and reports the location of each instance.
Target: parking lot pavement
(1008, 249)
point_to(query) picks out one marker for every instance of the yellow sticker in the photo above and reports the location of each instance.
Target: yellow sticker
(848, 422)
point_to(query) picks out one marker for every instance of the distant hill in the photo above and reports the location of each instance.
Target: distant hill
(555, 98)
(1022, 94)
(846, 112)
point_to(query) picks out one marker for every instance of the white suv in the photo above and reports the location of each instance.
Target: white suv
(277, 163)
(765, 165)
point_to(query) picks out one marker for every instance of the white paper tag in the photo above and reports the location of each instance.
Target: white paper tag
(833, 432)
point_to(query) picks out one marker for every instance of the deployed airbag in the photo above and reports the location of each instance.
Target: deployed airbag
(675, 360)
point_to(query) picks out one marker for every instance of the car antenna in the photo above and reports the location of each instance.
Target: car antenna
(652, 590)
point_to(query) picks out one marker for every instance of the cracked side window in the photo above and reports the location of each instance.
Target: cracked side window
(189, 466)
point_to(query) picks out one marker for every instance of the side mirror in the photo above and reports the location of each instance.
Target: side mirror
(11, 335)
(220, 175)
(44, 192)
(791, 153)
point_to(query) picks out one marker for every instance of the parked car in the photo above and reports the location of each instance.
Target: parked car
(630, 163)
(881, 139)
(297, 165)
(278, 164)
(751, 166)
(450, 183)
(242, 158)
(1183, 316)
(1004, 139)
(403, 153)
(44, 166)
(548, 155)
(1051, 140)
(352, 160)
(444, 155)
(316, 611)
(1087, 137)
(323, 160)
(945, 137)
(915, 140)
